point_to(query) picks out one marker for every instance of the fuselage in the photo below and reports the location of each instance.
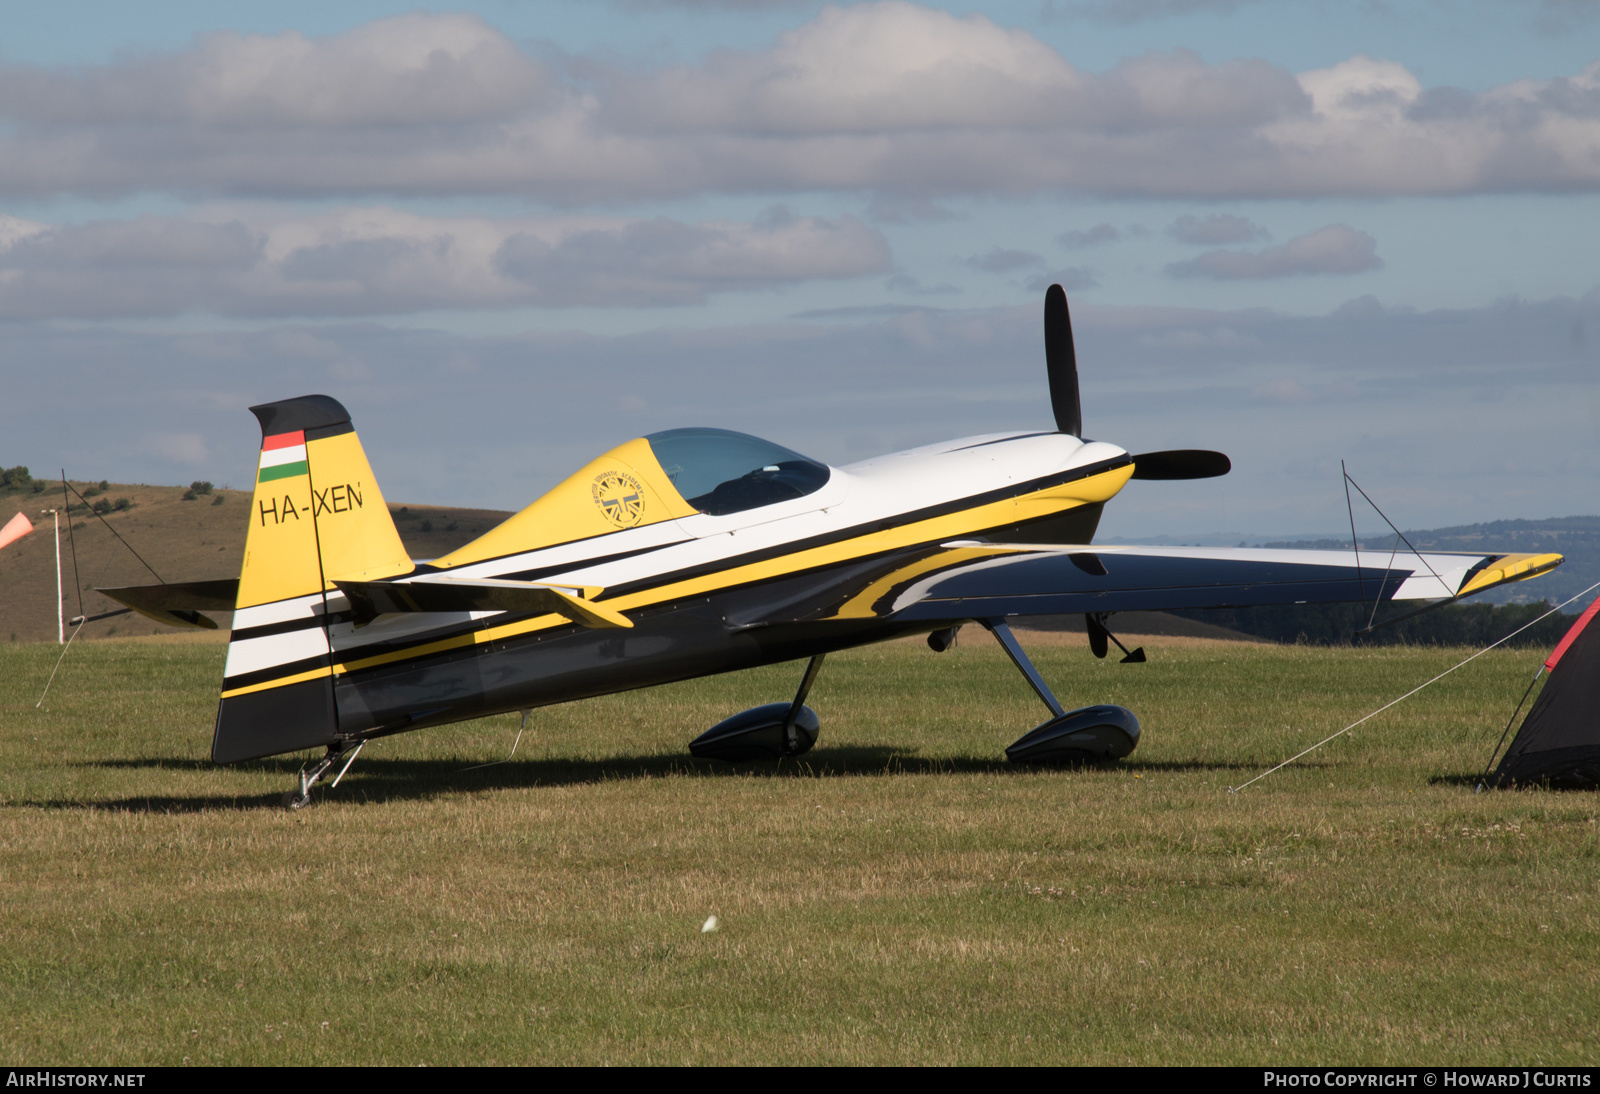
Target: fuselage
(707, 591)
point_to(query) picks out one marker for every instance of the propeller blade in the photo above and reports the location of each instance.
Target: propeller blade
(1061, 361)
(1181, 463)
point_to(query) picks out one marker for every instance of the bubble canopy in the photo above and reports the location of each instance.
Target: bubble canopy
(720, 472)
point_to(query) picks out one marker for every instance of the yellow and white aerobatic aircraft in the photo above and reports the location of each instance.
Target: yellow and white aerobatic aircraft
(699, 551)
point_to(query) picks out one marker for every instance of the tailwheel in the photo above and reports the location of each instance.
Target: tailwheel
(300, 797)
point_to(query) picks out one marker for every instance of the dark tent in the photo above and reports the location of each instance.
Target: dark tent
(1559, 742)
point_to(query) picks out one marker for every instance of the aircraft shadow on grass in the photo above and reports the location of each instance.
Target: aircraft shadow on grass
(382, 780)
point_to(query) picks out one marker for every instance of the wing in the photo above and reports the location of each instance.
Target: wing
(962, 581)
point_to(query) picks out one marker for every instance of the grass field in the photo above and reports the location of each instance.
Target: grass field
(900, 895)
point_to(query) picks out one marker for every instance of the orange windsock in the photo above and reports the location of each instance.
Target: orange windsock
(19, 527)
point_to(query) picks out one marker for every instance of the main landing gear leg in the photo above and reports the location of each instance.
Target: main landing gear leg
(791, 735)
(1090, 734)
(300, 797)
(1008, 641)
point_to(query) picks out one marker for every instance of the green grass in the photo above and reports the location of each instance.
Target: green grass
(899, 895)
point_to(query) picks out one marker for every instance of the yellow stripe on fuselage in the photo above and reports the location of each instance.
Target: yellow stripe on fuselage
(282, 681)
(860, 605)
(1039, 504)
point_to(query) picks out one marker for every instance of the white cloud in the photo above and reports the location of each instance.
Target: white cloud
(1335, 249)
(905, 102)
(1361, 90)
(870, 68)
(15, 229)
(665, 261)
(895, 69)
(1216, 228)
(376, 261)
(408, 70)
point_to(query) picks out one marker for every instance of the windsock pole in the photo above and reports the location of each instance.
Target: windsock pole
(61, 620)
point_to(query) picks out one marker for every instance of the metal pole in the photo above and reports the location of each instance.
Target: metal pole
(61, 622)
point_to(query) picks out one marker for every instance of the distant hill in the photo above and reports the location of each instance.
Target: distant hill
(181, 540)
(1578, 538)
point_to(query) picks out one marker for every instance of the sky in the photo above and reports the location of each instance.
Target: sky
(512, 235)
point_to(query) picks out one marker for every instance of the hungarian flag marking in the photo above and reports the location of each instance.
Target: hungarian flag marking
(283, 456)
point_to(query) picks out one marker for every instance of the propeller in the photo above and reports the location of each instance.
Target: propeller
(1181, 463)
(1061, 362)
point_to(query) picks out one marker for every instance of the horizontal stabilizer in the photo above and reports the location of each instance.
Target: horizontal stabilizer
(442, 593)
(179, 604)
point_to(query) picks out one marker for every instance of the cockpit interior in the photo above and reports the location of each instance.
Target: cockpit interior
(719, 471)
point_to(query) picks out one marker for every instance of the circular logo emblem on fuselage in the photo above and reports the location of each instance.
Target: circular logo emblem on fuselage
(620, 498)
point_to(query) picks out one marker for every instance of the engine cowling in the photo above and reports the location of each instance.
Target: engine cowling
(758, 734)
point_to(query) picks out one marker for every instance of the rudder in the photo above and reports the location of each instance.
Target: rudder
(317, 515)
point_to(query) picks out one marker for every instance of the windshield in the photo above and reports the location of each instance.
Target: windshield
(721, 472)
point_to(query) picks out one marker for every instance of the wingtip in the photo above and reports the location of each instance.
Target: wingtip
(1509, 568)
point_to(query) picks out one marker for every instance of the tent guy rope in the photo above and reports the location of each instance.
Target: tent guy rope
(1413, 691)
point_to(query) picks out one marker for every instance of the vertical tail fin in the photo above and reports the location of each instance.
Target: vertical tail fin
(317, 515)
